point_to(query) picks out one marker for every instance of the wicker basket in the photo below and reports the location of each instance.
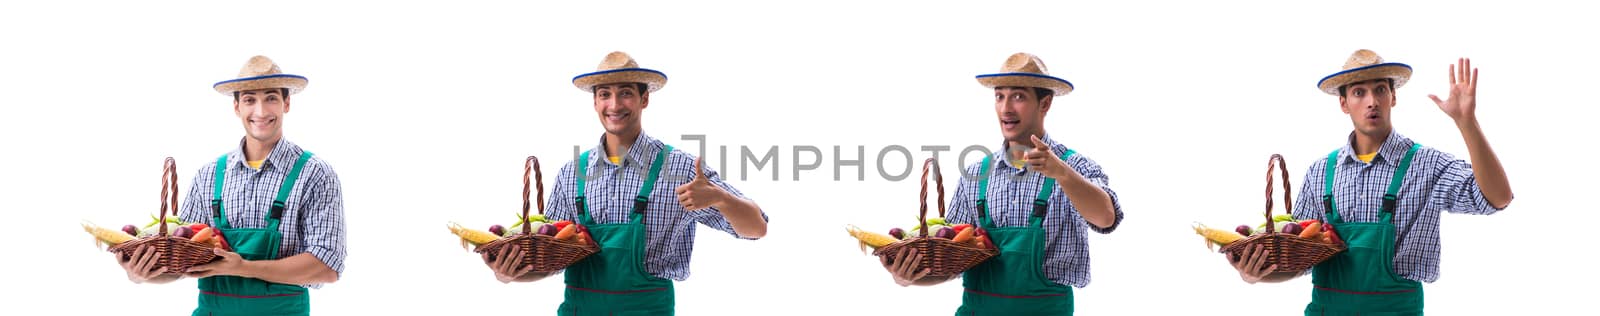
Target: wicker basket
(940, 256)
(1290, 252)
(544, 253)
(176, 254)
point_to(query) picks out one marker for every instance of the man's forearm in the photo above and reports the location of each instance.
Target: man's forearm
(745, 217)
(1092, 203)
(298, 269)
(1486, 166)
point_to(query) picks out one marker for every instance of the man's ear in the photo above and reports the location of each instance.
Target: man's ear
(644, 98)
(1342, 107)
(1044, 103)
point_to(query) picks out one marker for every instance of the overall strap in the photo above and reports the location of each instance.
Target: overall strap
(1391, 196)
(1331, 209)
(642, 200)
(278, 203)
(983, 193)
(1041, 203)
(216, 193)
(581, 197)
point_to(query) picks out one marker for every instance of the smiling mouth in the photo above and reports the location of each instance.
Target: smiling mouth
(262, 122)
(617, 116)
(1010, 123)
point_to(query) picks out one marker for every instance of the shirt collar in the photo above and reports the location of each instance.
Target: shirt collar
(642, 151)
(1393, 149)
(1001, 160)
(284, 153)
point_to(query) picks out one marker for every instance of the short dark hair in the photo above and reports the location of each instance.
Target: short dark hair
(643, 88)
(1042, 92)
(1038, 93)
(1390, 81)
(285, 92)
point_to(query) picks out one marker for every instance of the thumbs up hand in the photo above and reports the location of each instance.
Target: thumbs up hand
(1043, 160)
(699, 193)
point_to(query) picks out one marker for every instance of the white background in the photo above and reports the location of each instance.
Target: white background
(426, 112)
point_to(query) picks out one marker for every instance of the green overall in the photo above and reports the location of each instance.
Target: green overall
(234, 295)
(614, 281)
(1362, 281)
(1013, 283)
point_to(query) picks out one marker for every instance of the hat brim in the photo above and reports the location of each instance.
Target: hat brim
(1024, 79)
(654, 80)
(1399, 72)
(295, 83)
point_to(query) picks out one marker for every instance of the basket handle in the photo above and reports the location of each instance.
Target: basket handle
(532, 165)
(169, 192)
(1287, 203)
(938, 182)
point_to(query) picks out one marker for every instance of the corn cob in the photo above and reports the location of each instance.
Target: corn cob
(468, 235)
(1215, 236)
(869, 239)
(105, 235)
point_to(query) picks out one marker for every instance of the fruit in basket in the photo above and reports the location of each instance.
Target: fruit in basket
(106, 236)
(961, 227)
(1242, 230)
(1291, 228)
(567, 232)
(1312, 231)
(945, 232)
(964, 236)
(1215, 236)
(183, 232)
(562, 224)
(197, 227)
(869, 239)
(897, 233)
(204, 235)
(497, 230)
(548, 230)
(130, 229)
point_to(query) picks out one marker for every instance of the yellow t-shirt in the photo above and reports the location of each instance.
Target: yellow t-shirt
(1367, 158)
(256, 164)
(616, 160)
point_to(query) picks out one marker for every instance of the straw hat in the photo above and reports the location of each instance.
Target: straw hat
(1025, 70)
(1365, 65)
(261, 73)
(618, 67)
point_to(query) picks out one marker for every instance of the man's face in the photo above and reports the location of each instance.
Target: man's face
(1020, 111)
(1368, 103)
(619, 106)
(261, 111)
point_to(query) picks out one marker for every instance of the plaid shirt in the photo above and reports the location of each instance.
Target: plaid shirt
(313, 218)
(1011, 194)
(1436, 182)
(610, 190)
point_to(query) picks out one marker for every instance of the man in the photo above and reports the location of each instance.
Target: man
(279, 207)
(640, 200)
(1384, 193)
(1036, 198)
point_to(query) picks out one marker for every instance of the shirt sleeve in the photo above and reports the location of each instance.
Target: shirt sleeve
(713, 217)
(1457, 189)
(324, 225)
(561, 206)
(1095, 175)
(196, 206)
(1308, 205)
(963, 206)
